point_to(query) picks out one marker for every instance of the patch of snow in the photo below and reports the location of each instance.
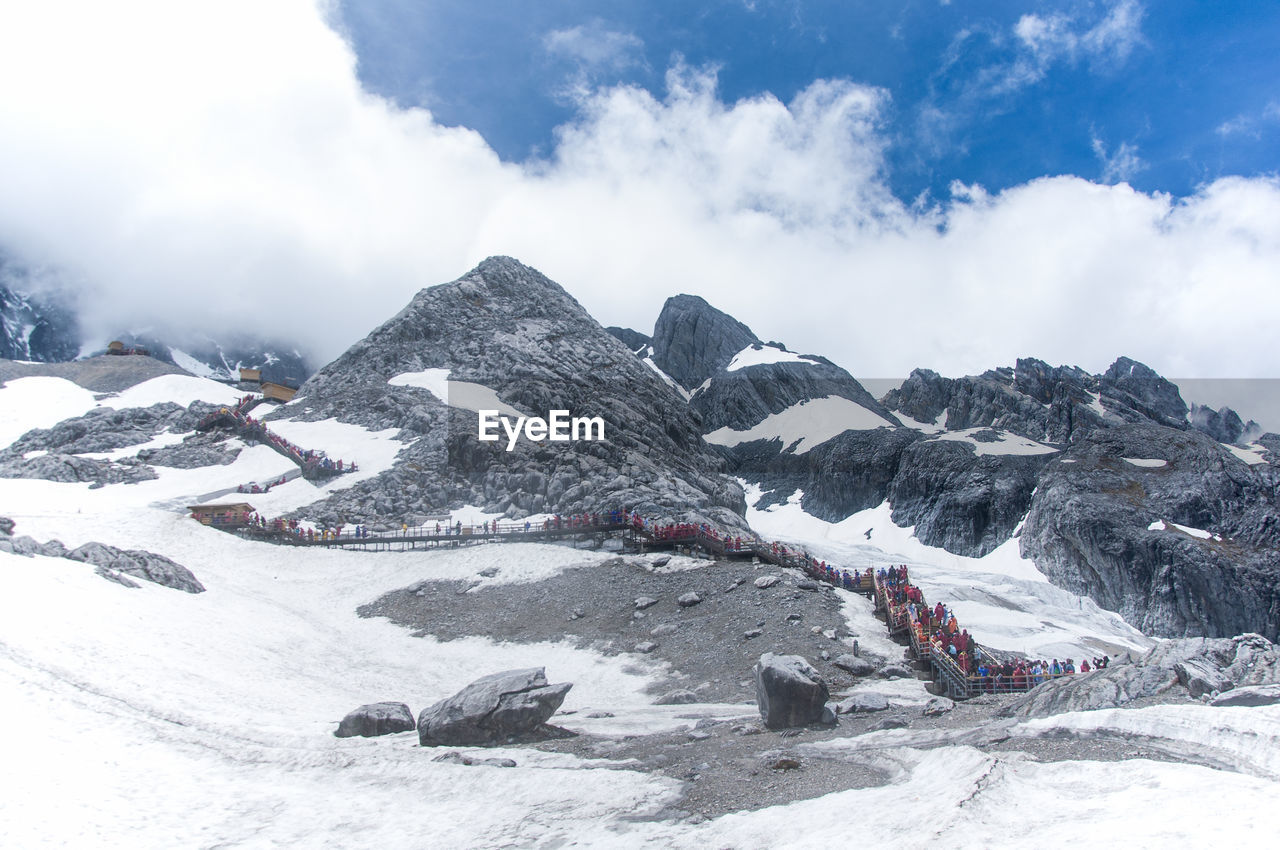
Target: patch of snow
(753, 356)
(1008, 444)
(35, 453)
(1251, 455)
(667, 379)
(178, 389)
(811, 422)
(39, 402)
(1002, 598)
(1068, 460)
(476, 397)
(934, 427)
(1095, 404)
(196, 367)
(1146, 462)
(435, 381)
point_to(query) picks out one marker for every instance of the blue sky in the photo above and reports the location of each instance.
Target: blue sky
(1166, 96)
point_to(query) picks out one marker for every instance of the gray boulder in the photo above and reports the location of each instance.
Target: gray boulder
(139, 564)
(688, 600)
(492, 709)
(6, 527)
(789, 692)
(864, 703)
(855, 665)
(937, 706)
(896, 671)
(1249, 695)
(377, 718)
(766, 581)
(677, 697)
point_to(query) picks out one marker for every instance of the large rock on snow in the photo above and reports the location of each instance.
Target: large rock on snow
(693, 340)
(789, 691)
(139, 564)
(1249, 696)
(1225, 663)
(374, 719)
(492, 709)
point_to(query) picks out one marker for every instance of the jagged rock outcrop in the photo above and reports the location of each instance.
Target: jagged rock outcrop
(959, 500)
(1243, 660)
(139, 564)
(789, 691)
(1103, 526)
(34, 328)
(492, 709)
(633, 340)
(112, 563)
(693, 340)
(507, 331)
(1223, 425)
(375, 719)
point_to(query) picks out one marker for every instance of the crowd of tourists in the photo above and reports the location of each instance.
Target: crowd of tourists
(936, 630)
(255, 429)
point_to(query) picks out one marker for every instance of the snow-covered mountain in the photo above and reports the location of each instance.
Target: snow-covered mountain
(35, 330)
(210, 715)
(1093, 475)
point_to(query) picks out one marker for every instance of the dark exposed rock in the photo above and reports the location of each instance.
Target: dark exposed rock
(677, 697)
(6, 526)
(72, 469)
(855, 665)
(1223, 425)
(377, 718)
(789, 692)
(1094, 529)
(472, 761)
(1249, 695)
(34, 327)
(962, 501)
(492, 709)
(633, 340)
(937, 706)
(1239, 661)
(139, 564)
(693, 340)
(510, 329)
(688, 600)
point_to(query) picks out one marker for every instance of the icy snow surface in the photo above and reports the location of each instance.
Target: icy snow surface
(435, 381)
(1251, 454)
(1008, 444)
(1146, 462)
(764, 355)
(811, 422)
(150, 718)
(1002, 599)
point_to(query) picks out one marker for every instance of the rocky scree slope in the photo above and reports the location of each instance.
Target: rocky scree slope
(506, 327)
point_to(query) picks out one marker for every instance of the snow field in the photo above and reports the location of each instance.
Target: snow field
(810, 422)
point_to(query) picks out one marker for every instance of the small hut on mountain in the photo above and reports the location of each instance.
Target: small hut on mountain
(278, 392)
(253, 376)
(226, 515)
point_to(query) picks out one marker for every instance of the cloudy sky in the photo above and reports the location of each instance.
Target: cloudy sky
(925, 183)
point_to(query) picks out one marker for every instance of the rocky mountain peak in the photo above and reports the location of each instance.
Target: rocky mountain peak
(693, 340)
(1141, 388)
(505, 335)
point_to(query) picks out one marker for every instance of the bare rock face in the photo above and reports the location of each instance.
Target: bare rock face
(374, 719)
(1201, 665)
(789, 691)
(1104, 527)
(139, 564)
(492, 709)
(515, 333)
(693, 340)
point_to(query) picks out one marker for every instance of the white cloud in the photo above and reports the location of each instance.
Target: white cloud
(1120, 165)
(595, 46)
(221, 162)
